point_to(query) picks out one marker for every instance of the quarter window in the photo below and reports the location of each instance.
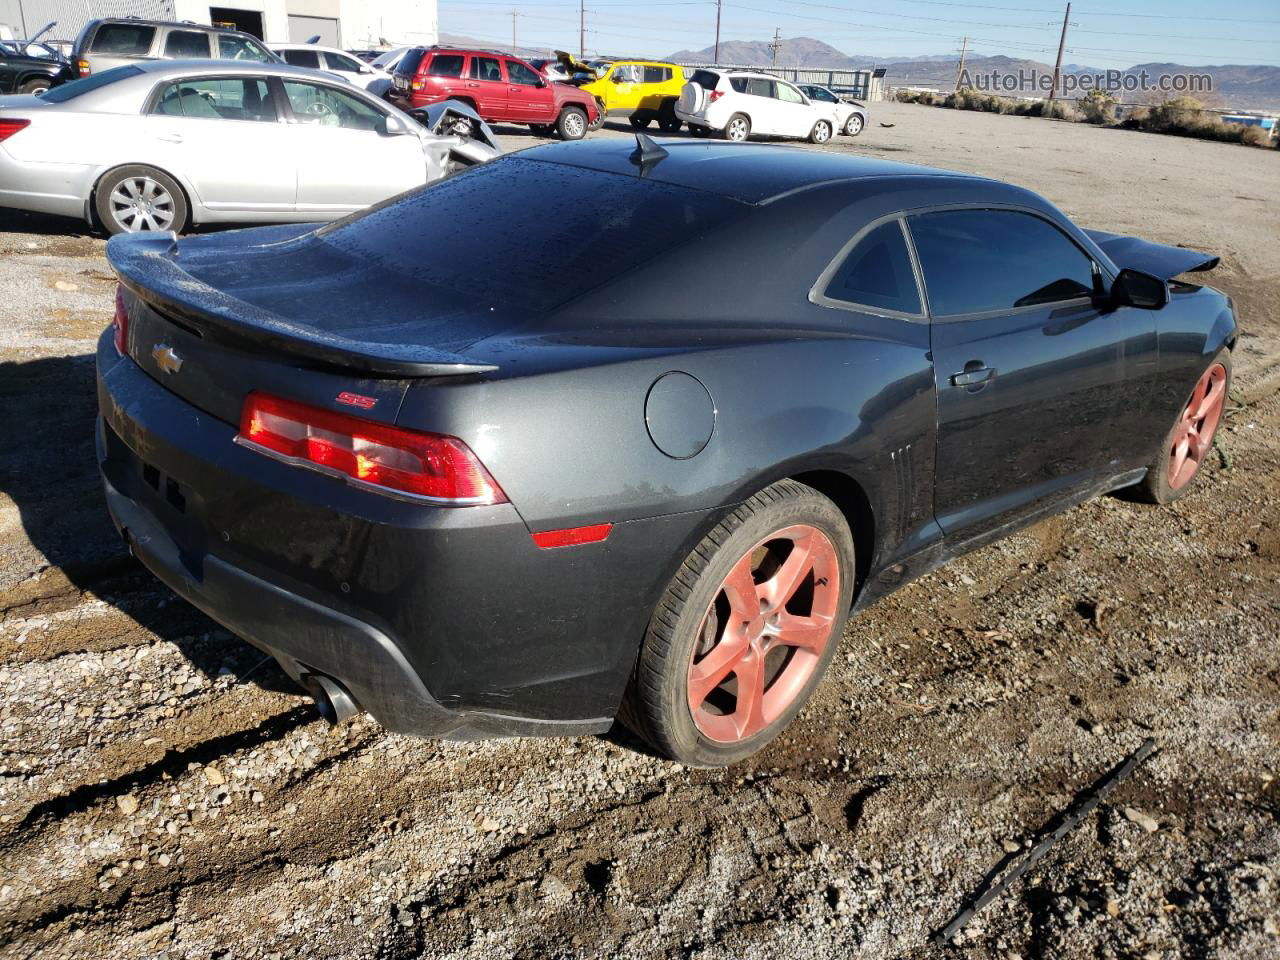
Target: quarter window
(657, 74)
(788, 93)
(124, 39)
(341, 62)
(756, 86)
(517, 72)
(302, 58)
(877, 273)
(233, 47)
(445, 65)
(486, 68)
(184, 44)
(977, 261)
(210, 99)
(326, 107)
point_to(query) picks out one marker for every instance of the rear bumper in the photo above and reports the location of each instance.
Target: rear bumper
(61, 189)
(441, 622)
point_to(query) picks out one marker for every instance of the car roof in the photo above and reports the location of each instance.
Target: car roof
(183, 24)
(748, 172)
(163, 68)
(646, 63)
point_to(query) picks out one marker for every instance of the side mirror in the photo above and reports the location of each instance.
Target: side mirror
(1132, 288)
(618, 78)
(394, 126)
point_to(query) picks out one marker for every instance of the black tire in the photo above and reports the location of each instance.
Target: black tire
(640, 120)
(821, 132)
(572, 123)
(656, 705)
(738, 129)
(698, 130)
(853, 126)
(601, 114)
(116, 186)
(542, 129)
(1156, 486)
(35, 86)
(667, 119)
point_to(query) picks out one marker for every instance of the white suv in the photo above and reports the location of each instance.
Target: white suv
(329, 59)
(738, 103)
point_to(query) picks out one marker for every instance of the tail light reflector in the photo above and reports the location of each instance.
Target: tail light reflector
(11, 125)
(573, 536)
(82, 66)
(425, 466)
(715, 95)
(120, 323)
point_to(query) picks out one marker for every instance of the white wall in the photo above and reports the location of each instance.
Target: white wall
(364, 23)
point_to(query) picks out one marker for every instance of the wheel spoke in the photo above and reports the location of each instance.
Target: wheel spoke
(1212, 397)
(807, 633)
(118, 196)
(782, 586)
(748, 713)
(130, 187)
(709, 672)
(1180, 451)
(741, 589)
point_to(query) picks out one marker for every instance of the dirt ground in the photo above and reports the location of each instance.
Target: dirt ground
(164, 792)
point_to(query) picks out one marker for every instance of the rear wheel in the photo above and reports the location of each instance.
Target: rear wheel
(667, 118)
(600, 115)
(640, 120)
(35, 86)
(1176, 464)
(572, 124)
(745, 630)
(738, 128)
(853, 126)
(821, 132)
(137, 199)
(698, 130)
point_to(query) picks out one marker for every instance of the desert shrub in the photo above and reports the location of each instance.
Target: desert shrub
(1255, 137)
(966, 98)
(1098, 106)
(927, 97)
(1181, 114)
(1060, 110)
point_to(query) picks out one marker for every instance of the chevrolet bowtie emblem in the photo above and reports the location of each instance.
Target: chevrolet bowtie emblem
(166, 358)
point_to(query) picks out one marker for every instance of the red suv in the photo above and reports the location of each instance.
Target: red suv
(502, 88)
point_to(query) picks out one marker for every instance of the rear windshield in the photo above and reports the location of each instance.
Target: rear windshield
(408, 64)
(706, 79)
(69, 91)
(527, 232)
(124, 39)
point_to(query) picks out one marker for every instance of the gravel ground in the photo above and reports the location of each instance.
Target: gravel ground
(166, 793)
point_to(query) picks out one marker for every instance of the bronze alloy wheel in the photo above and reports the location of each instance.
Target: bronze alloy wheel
(1193, 433)
(764, 633)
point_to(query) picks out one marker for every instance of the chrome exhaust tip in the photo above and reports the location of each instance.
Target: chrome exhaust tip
(333, 701)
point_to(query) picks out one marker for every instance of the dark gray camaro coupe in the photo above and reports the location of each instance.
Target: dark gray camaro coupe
(591, 431)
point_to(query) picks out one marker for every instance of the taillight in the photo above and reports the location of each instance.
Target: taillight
(83, 67)
(428, 466)
(417, 85)
(715, 95)
(11, 125)
(120, 323)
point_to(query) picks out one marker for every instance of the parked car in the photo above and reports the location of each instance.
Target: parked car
(739, 103)
(501, 88)
(521, 486)
(335, 61)
(31, 68)
(851, 118)
(385, 64)
(117, 42)
(642, 90)
(551, 69)
(163, 145)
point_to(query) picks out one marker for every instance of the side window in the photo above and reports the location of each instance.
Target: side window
(327, 107)
(877, 273)
(445, 65)
(124, 39)
(218, 99)
(486, 68)
(627, 73)
(517, 72)
(186, 44)
(233, 47)
(759, 87)
(302, 58)
(341, 62)
(976, 261)
(657, 74)
(823, 94)
(788, 93)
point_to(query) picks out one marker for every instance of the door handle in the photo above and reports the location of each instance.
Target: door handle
(974, 373)
(472, 84)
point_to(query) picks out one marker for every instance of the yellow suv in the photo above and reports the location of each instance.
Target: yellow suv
(643, 90)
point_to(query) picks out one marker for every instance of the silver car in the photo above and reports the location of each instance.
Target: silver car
(167, 144)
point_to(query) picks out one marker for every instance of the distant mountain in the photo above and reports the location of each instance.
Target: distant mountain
(1237, 87)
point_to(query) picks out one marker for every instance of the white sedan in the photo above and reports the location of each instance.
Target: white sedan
(740, 103)
(165, 144)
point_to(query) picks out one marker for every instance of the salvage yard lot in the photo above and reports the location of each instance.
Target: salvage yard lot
(164, 792)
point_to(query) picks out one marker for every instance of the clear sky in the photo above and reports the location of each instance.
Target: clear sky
(1191, 32)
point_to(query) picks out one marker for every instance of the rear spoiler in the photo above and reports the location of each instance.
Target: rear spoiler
(1158, 259)
(144, 263)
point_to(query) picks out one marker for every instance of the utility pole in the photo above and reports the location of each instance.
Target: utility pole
(776, 44)
(964, 48)
(582, 30)
(1057, 67)
(715, 57)
(514, 14)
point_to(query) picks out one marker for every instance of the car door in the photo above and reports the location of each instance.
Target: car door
(1037, 382)
(761, 105)
(624, 86)
(224, 136)
(530, 99)
(486, 84)
(349, 67)
(795, 116)
(346, 159)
